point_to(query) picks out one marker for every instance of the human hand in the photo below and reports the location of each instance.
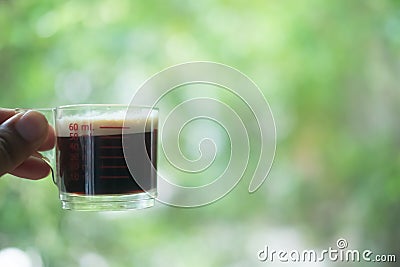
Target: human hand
(22, 135)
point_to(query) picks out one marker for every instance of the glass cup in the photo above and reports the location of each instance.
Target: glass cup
(92, 170)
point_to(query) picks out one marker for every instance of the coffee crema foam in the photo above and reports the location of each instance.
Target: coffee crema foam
(105, 124)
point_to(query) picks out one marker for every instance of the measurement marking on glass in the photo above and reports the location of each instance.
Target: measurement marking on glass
(108, 147)
(112, 157)
(114, 127)
(114, 177)
(83, 127)
(111, 137)
(86, 127)
(114, 167)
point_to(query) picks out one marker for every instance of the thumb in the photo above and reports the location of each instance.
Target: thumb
(20, 136)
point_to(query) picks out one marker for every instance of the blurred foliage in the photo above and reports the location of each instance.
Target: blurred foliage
(329, 69)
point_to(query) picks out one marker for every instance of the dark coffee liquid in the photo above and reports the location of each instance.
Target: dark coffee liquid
(94, 165)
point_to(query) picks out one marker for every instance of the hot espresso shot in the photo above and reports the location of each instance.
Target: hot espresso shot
(91, 159)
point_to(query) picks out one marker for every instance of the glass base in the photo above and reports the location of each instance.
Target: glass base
(106, 202)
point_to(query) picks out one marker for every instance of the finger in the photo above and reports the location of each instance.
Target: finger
(20, 136)
(33, 168)
(50, 140)
(5, 114)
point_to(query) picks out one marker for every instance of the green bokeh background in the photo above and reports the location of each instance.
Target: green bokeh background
(330, 71)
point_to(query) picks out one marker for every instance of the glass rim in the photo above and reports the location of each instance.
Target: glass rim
(33, 109)
(82, 106)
